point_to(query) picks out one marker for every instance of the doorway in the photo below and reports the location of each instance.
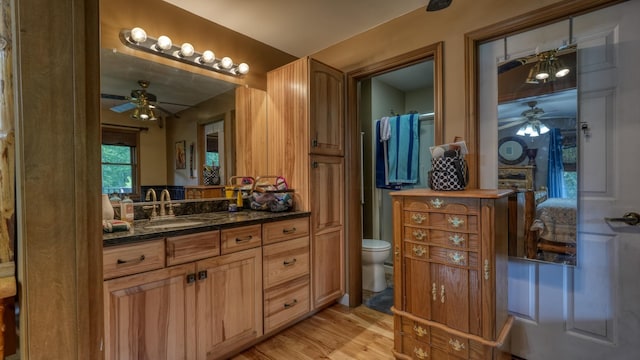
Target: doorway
(367, 203)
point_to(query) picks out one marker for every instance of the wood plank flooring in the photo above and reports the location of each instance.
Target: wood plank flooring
(338, 332)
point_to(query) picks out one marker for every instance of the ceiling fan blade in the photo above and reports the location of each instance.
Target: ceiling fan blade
(512, 124)
(113, 97)
(123, 107)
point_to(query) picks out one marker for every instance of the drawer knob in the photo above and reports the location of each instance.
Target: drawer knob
(420, 354)
(419, 234)
(455, 221)
(419, 250)
(289, 231)
(290, 262)
(202, 275)
(456, 345)
(420, 331)
(437, 203)
(456, 239)
(418, 218)
(244, 239)
(134, 261)
(191, 278)
(291, 304)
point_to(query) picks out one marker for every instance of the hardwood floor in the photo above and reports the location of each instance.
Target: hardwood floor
(338, 332)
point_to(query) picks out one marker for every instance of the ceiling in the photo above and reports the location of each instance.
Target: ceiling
(299, 27)
(282, 24)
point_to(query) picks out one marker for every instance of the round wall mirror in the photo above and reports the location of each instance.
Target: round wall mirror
(512, 150)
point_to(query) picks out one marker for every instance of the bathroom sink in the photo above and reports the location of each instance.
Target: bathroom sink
(170, 224)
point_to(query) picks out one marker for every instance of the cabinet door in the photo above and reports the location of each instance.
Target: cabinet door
(327, 224)
(228, 302)
(150, 315)
(452, 304)
(326, 109)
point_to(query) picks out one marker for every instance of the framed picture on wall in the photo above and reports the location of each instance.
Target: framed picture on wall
(181, 156)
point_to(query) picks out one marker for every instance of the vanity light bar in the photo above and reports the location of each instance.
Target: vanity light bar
(137, 38)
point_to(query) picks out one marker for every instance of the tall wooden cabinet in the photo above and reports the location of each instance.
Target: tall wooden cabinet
(451, 279)
(306, 145)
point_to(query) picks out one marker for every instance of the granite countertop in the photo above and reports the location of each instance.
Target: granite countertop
(188, 224)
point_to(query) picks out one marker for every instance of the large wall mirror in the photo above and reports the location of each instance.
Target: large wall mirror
(537, 152)
(195, 113)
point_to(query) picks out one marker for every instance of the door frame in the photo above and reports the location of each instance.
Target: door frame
(473, 40)
(353, 221)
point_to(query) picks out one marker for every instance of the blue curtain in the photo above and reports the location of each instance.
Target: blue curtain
(555, 177)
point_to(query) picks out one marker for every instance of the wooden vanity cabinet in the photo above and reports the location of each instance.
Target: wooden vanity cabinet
(451, 284)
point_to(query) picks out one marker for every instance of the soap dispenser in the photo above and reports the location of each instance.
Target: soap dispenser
(126, 210)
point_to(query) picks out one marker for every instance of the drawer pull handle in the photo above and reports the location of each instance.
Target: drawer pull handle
(437, 203)
(420, 354)
(419, 250)
(442, 294)
(487, 269)
(289, 263)
(397, 252)
(289, 231)
(419, 234)
(420, 331)
(455, 221)
(138, 260)
(457, 258)
(418, 218)
(244, 239)
(434, 291)
(291, 304)
(456, 239)
(457, 345)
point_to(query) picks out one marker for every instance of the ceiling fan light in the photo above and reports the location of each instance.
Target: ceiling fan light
(207, 57)
(138, 35)
(562, 72)
(164, 43)
(543, 129)
(528, 130)
(521, 132)
(534, 133)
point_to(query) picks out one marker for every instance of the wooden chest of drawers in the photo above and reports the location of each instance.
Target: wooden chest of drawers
(517, 177)
(452, 250)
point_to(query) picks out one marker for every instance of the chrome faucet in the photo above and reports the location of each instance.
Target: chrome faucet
(152, 193)
(164, 196)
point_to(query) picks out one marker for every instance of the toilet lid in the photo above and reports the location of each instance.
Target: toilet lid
(371, 244)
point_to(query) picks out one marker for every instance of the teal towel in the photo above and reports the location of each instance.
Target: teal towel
(404, 145)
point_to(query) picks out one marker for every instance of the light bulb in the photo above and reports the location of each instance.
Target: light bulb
(243, 68)
(528, 130)
(226, 62)
(544, 129)
(186, 50)
(164, 43)
(534, 133)
(521, 132)
(207, 57)
(138, 35)
(562, 72)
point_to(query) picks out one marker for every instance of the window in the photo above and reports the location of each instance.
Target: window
(119, 161)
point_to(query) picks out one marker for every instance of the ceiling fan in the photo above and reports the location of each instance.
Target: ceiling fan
(142, 102)
(529, 119)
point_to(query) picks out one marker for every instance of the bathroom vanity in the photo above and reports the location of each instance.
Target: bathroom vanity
(451, 292)
(204, 286)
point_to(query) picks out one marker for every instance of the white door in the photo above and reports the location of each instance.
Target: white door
(592, 311)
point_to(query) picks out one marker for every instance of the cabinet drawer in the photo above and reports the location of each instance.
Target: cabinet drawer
(183, 249)
(454, 345)
(285, 230)
(286, 303)
(285, 261)
(240, 238)
(453, 257)
(417, 331)
(457, 205)
(416, 250)
(415, 349)
(454, 222)
(454, 239)
(131, 259)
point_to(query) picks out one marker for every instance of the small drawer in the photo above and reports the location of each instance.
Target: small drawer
(448, 204)
(416, 330)
(285, 230)
(416, 250)
(240, 238)
(454, 239)
(453, 257)
(454, 345)
(286, 303)
(454, 222)
(415, 349)
(416, 218)
(183, 249)
(416, 234)
(125, 260)
(285, 261)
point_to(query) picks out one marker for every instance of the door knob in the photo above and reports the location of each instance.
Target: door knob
(630, 218)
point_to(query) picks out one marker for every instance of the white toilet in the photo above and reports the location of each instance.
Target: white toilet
(374, 253)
